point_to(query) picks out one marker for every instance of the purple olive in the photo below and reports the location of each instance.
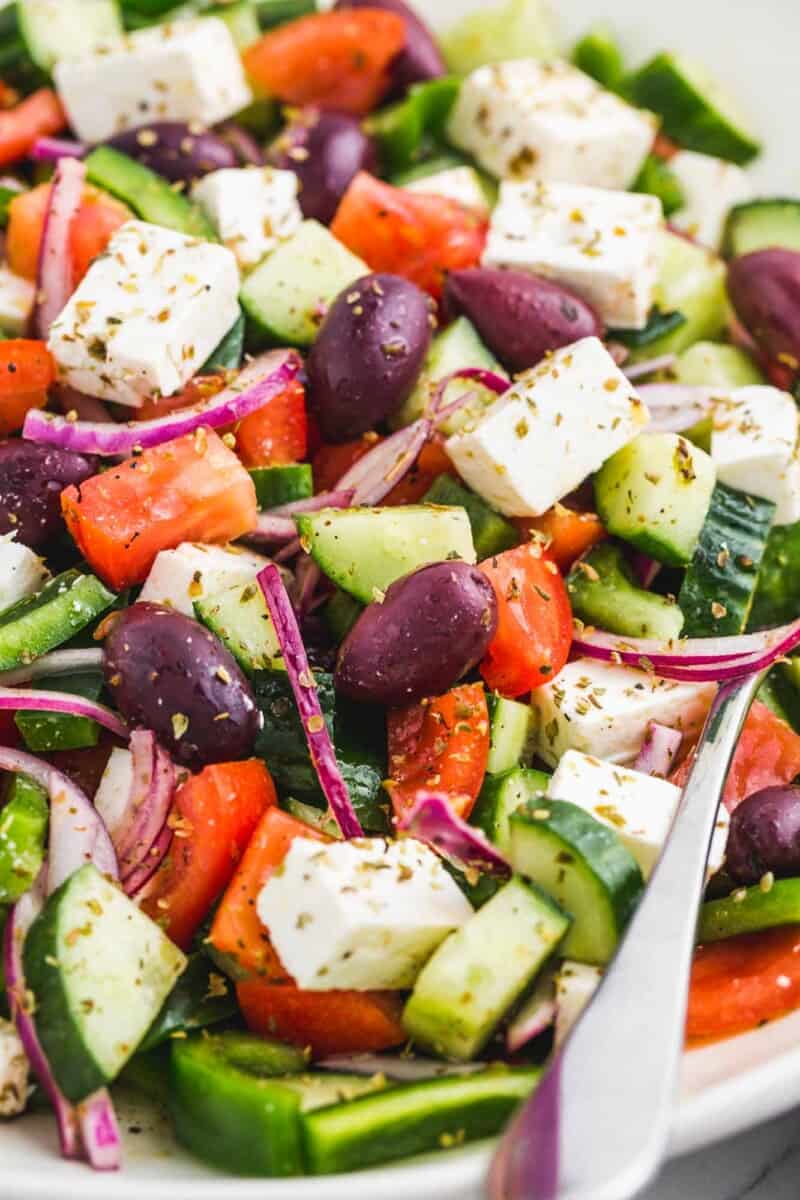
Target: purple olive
(368, 354)
(421, 59)
(175, 150)
(32, 478)
(431, 628)
(764, 288)
(520, 316)
(765, 835)
(326, 150)
(169, 674)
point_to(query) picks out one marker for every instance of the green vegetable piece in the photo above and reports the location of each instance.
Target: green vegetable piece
(281, 485)
(23, 830)
(659, 325)
(200, 998)
(241, 19)
(403, 129)
(45, 732)
(149, 195)
(761, 224)
(514, 29)
(603, 592)
(341, 613)
(656, 179)
(491, 533)
(775, 601)
(750, 910)
(228, 354)
(503, 795)
(598, 54)
(511, 734)
(713, 364)
(64, 606)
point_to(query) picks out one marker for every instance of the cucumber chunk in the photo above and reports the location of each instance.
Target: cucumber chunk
(491, 533)
(778, 587)
(656, 179)
(363, 551)
(713, 364)
(200, 998)
(66, 28)
(149, 195)
(750, 911)
(281, 485)
(760, 224)
(61, 609)
(598, 54)
(228, 354)
(510, 733)
(481, 970)
(239, 618)
(655, 493)
(585, 867)
(341, 613)
(99, 970)
(45, 732)
(23, 829)
(691, 283)
(501, 796)
(514, 29)
(603, 592)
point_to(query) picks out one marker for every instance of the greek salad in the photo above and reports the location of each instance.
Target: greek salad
(399, 447)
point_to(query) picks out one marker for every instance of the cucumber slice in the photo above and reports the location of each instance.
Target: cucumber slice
(655, 493)
(760, 224)
(239, 618)
(501, 796)
(713, 364)
(491, 533)
(720, 583)
(585, 867)
(287, 296)
(692, 284)
(656, 179)
(750, 910)
(61, 609)
(598, 54)
(99, 970)
(228, 354)
(149, 195)
(23, 829)
(282, 485)
(514, 29)
(341, 613)
(46, 732)
(778, 587)
(413, 1119)
(510, 732)
(603, 592)
(363, 551)
(56, 29)
(694, 109)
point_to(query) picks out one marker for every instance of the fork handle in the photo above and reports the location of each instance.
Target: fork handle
(598, 1124)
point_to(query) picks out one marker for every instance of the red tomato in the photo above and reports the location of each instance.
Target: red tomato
(98, 217)
(337, 60)
(201, 388)
(740, 983)
(327, 1022)
(534, 630)
(441, 744)
(277, 433)
(332, 462)
(38, 115)
(405, 233)
(664, 147)
(27, 370)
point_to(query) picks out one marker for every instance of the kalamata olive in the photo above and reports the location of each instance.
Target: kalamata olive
(176, 150)
(520, 316)
(326, 150)
(169, 674)
(765, 835)
(421, 59)
(764, 288)
(430, 629)
(32, 478)
(368, 354)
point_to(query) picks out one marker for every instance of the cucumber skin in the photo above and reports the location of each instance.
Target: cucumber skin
(491, 812)
(148, 194)
(228, 354)
(614, 602)
(281, 485)
(779, 211)
(23, 827)
(46, 732)
(757, 910)
(491, 532)
(775, 601)
(72, 598)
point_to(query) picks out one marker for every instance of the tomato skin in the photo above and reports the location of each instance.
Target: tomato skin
(568, 533)
(417, 236)
(38, 115)
(327, 1022)
(534, 629)
(98, 217)
(277, 433)
(333, 460)
(740, 983)
(338, 60)
(441, 744)
(27, 370)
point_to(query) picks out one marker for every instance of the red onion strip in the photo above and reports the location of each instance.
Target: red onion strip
(685, 652)
(488, 379)
(537, 1014)
(60, 662)
(54, 274)
(433, 821)
(675, 407)
(649, 366)
(340, 498)
(142, 874)
(374, 475)
(149, 802)
(659, 750)
(34, 700)
(51, 149)
(102, 1141)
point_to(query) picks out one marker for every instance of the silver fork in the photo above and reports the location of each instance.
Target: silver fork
(598, 1124)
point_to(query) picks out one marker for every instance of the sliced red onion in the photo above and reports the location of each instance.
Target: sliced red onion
(645, 569)
(306, 580)
(488, 379)
(397, 1067)
(263, 379)
(433, 821)
(135, 883)
(675, 407)
(54, 273)
(341, 498)
(31, 700)
(649, 366)
(374, 475)
(301, 678)
(659, 750)
(149, 802)
(288, 551)
(272, 531)
(687, 652)
(52, 149)
(537, 1014)
(102, 1142)
(60, 662)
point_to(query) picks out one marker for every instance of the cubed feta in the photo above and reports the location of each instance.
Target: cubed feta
(362, 914)
(21, 571)
(114, 790)
(638, 807)
(191, 571)
(711, 187)
(253, 209)
(185, 71)
(527, 119)
(754, 446)
(557, 424)
(14, 1070)
(604, 245)
(457, 183)
(603, 709)
(16, 302)
(576, 983)
(147, 314)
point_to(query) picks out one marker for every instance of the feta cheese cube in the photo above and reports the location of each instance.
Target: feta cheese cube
(179, 577)
(557, 424)
(603, 709)
(14, 1070)
(22, 572)
(639, 808)
(362, 914)
(711, 187)
(527, 119)
(147, 314)
(604, 245)
(114, 790)
(185, 71)
(253, 209)
(458, 183)
(17, 296)
(576, 983)
(754, 445)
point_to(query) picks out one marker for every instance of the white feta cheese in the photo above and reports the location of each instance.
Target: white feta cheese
(556, 424)
(639, 808)
(14, 1071)
(527, 119)
(576, 983)
(603, 245)
(114, 790)
(185, 71)
(362, 914)
(458, 183)
(22, 572)
(191, 571)
(253, 209)
(711, 187)
(147, 314)
(754, 445)
(17, 297)
(603, 709)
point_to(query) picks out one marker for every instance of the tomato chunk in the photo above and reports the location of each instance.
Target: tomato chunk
(742, 982)
(197, 390)
(27, 370)
(277, 433)
(534, 630)
(98, 217)
(214, 818)
(193, 489)
(327, 1022)
(405, 233)
(38, 115)
(443, 744)
(568, 534)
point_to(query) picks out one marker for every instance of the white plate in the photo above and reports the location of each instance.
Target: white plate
(726, 1088)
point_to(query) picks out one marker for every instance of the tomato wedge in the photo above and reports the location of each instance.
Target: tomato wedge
(277, 433)
(38, 115)
(567, 534)
(337, 60)
(27, 370)
(443, 744)
(326, 1022)
(193, 489)
(740, 983)
(406, 233)
(534, 630)
(98, 217)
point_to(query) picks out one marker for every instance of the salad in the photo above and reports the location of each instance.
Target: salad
(399, 448)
